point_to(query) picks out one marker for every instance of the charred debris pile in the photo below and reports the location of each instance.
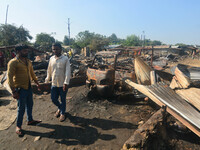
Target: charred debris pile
(140, 71)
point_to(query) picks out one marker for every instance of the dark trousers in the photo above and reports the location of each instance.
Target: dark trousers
(25, 102)
(55, 93)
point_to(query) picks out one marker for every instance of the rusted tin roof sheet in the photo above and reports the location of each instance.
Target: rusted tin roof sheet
(162, 95)
(167, 96)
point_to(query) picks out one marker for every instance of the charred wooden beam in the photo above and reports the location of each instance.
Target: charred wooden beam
(140, 137)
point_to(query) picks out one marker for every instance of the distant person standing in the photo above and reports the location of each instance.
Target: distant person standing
(1, 59)
(60, 73)
(19, 74)
(193, 53)
(70, 53)
(13, 54)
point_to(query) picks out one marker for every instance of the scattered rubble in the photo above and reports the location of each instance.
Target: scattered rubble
(177, 92)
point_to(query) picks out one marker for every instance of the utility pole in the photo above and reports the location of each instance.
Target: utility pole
(6, 14)
(69, 29)
(144, 38)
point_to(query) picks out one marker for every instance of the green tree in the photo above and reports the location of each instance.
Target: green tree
(113, 39)
(83, 39)
(12, 35)
(132, 40)
(98, 42)
(68, 41)
(181, 44)
(44, 41)
(155, 42)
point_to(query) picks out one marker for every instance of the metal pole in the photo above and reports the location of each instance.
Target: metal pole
(69, 29)
(6, 14)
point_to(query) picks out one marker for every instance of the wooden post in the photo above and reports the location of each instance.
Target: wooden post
(152, 56)
(153, 77)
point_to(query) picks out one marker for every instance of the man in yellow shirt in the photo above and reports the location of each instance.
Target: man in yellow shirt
(20, 73)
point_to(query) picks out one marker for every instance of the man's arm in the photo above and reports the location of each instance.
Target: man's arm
(10, 73)
(67, 75)
(33, 76)
(48, 72)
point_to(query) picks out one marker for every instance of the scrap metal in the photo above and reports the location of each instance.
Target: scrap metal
(161, 94)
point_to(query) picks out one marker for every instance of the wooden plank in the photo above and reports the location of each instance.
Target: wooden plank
(142, 71)
(175, 84)
(179, 117)
(182, 78)
(153, 77)
(192, 95)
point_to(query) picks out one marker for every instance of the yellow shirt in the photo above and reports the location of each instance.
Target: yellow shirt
(19, 74)
(70, 53)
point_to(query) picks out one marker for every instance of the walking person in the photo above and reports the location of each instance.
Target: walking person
(60, 73)
(19, 75)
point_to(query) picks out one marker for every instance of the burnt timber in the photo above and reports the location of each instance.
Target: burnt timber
(163, 95)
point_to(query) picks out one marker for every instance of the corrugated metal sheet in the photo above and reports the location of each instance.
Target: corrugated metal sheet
(167, 96)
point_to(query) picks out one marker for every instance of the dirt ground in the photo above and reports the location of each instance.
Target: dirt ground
(92, 123)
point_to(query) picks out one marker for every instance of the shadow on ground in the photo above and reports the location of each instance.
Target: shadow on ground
(84, 134)
(4, 102)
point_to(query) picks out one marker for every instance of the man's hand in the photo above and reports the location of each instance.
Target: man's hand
(15, 95)
(39, 87)
(65, 86)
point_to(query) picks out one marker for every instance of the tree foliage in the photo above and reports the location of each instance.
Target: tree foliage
(98, 42)
(92, 40)
(181, 44)
(68, 41)
(83, 39)
(12, 35)
(44, 41)
(155, 42)
(113, 39)
(132, 40)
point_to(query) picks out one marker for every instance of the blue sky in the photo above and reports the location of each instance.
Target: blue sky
(170, 21)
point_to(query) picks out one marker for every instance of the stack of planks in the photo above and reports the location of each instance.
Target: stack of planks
(181, 78)
(185, 76)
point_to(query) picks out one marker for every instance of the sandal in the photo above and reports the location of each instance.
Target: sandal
(62, 118)
(19, 132)
(57, 114)
(34, 122)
